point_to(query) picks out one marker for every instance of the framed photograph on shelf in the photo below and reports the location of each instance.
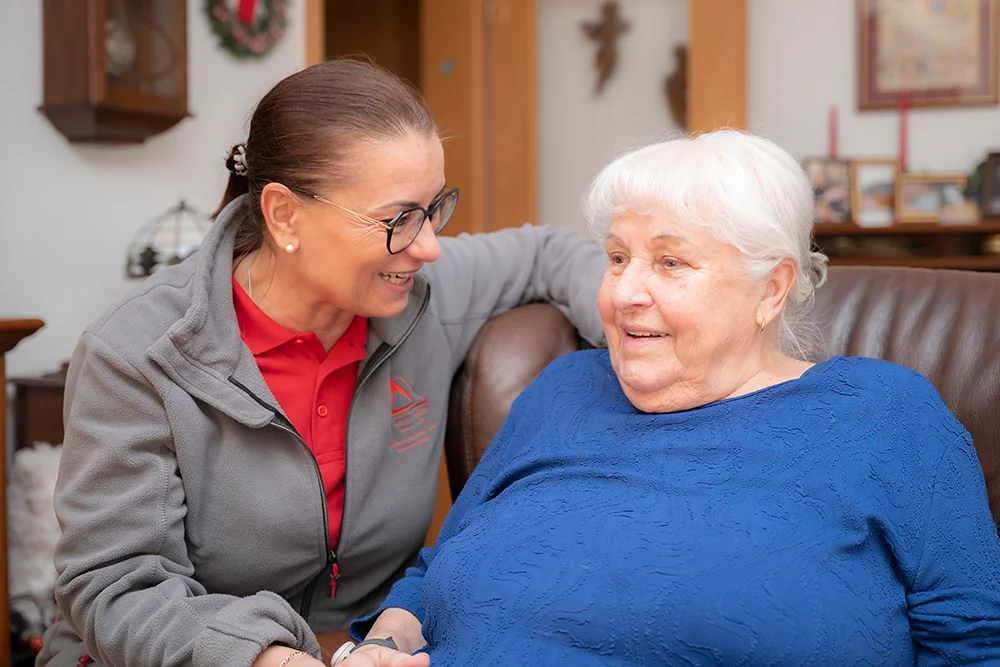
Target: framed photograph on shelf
(831, 181)
(933, 53)
(920, 197)
(873, 191)
(990, 202)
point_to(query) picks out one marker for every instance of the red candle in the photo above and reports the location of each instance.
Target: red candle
(904, 105)
(832, 148)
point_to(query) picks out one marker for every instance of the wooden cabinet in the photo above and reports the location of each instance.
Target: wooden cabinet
(38, 404)
(115, 70)
(971, 247)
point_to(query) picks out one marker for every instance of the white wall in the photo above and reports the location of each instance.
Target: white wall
(68, 211)
(578, 133)
(803, 59)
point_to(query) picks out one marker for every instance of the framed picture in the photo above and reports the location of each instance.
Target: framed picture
(920, 197)
(873, 191)
(990, 202)
(937, 53)
(831, 181)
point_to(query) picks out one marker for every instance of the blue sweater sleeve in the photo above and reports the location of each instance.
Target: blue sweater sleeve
(954, 603)
(407, 593)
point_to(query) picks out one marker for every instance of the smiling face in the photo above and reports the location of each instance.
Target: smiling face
(342, 260)
(679, 314)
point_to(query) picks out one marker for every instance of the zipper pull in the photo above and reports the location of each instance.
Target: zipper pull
(331, 559)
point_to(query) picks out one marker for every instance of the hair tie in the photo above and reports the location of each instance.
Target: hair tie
(239, 160)
(817, 268)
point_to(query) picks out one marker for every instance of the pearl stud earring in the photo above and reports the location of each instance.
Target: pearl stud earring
(290, 247)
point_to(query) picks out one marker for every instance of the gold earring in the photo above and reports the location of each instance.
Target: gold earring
(762, 325)
(290, 247)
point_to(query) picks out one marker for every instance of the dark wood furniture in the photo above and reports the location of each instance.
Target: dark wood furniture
(11, 333)
(115, 71)
(38, 405)
(917, 245)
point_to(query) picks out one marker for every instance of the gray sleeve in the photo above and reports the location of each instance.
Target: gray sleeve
(126, 583)
(482, 275)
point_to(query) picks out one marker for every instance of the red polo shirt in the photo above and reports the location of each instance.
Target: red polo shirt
(313, 387)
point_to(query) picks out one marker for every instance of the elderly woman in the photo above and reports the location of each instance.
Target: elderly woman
(699, 493)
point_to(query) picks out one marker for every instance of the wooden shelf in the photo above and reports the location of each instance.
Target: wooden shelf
(920, 245)
(827, 229)
(961, 262)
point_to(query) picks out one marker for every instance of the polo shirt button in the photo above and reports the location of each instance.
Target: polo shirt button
(299, 341)
(322, 411)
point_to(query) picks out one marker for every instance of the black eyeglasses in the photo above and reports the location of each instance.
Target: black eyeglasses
(405, 226)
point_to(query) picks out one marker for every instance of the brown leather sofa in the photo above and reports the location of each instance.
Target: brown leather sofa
(944, 324)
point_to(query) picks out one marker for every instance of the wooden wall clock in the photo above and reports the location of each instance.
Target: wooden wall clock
(115, 70)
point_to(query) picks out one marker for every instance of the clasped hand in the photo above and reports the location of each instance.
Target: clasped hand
(379, 656)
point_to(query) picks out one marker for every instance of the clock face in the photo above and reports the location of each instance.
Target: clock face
(119, 47)
(141, 46)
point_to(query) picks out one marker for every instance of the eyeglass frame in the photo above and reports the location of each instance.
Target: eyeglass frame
(391, 225)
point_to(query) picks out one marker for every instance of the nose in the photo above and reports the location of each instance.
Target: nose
(631, 289)
(425, 247)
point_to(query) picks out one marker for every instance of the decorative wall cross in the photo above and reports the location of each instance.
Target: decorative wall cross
(606, 33)
(675, 87)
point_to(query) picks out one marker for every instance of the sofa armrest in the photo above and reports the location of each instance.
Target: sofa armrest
(509, 352)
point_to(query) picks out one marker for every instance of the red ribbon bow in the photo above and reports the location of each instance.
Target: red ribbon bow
(246, 11)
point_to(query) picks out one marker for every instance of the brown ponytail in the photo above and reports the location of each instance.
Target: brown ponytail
(303, 131)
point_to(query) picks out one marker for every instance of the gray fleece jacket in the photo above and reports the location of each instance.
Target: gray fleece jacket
(194, 517)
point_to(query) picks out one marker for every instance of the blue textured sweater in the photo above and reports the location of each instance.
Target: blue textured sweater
(836, 519)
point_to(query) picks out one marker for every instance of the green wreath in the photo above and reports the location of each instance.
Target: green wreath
(248, 28)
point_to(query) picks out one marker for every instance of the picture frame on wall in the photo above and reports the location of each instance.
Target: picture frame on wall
(920, 197)
(831, 182)
(873, 192)
(932, 53)
(990, 195)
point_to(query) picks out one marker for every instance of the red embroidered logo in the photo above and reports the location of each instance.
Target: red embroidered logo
(409, 414)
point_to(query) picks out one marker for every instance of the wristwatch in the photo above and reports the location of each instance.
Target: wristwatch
(348, 648)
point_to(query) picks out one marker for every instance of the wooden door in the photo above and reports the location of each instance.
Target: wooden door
(717, 65)
(478, 73)
(512, 112)
(384, 30)
(474, 61)
(452, 73)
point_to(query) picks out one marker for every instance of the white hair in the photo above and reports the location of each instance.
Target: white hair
(745, 191)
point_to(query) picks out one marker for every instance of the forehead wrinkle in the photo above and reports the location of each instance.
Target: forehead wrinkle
(409, 204)
(661, 237)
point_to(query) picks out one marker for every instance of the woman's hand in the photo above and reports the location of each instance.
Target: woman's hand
(404, 629)
(379, 656)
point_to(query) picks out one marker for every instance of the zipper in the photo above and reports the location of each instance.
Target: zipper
(280, 422)
(307, 594)
(383, 352)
